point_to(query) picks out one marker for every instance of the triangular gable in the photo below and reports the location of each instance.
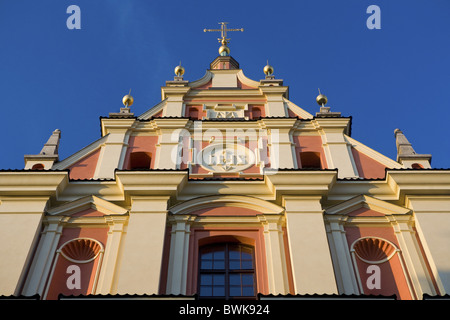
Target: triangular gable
(86, 206)
(354, 205)
(375, 155)
(79, 155)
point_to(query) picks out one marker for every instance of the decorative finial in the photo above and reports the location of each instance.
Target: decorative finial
(223, 50)
(321, 99)
(179, 70)
(127, 100)
(268, 69)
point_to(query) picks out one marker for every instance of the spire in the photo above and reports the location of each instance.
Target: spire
(47, 156)
(52, 145)
(406, 154)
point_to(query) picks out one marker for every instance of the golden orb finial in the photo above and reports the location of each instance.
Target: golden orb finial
(321, 99)
(127, 100)
(224, 50)
(179, 70)
(268, 69)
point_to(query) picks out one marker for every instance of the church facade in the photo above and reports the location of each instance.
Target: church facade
(225, 189)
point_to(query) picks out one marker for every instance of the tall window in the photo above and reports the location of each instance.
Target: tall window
(227, 271)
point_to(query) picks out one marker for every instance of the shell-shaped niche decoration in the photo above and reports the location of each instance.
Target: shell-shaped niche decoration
(81, 250)
(374, 250)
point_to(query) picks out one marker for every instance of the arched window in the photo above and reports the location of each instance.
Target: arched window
(38, 166)
(140, 160)
(310, 160)
(227, 270)
(417, 166)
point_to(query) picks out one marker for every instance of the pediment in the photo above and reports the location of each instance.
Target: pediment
(87, 206)
(361, 204)
(255, 204)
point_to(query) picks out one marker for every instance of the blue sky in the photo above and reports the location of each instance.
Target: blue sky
(55, 78)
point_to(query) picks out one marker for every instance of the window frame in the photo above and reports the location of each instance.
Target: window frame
(227, 270)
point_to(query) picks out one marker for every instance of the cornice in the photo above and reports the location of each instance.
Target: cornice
(33, 183)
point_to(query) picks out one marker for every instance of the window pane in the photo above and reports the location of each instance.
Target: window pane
(219, 255)
(234, 253)
(219, 291)
(248, 291)
(206, 279)
(235, 264)
(246, 253)
(206, 291)
(219, 264)
(247, 279)
(206, 264)
(219, 279)
(235, 279)
(235, 291)
(207, 255)
(247, 264)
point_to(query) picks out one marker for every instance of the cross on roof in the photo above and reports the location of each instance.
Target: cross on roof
(223, 30)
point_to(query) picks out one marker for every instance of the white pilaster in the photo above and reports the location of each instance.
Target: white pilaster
(276, 256)
(40, 267)
(109, 269)
(345, 276)
(337, 150)
(167, 148)
(178, 259)
(420, 279)
(281, 145)
(111, 154)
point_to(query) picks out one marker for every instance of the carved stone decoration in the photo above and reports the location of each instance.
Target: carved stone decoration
(226, 157)
(374, 250)
(225, 111)
(81, 250)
